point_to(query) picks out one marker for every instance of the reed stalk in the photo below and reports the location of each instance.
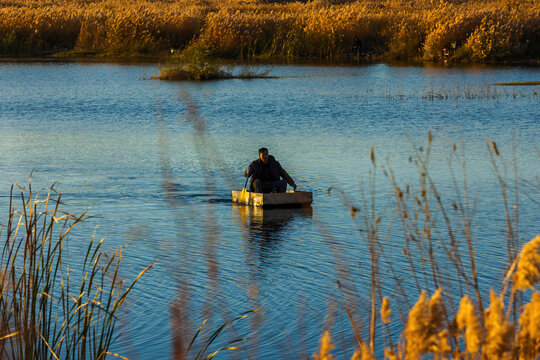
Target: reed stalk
(436, 327)
(51, 307)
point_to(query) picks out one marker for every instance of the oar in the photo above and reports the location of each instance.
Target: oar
(243, 194)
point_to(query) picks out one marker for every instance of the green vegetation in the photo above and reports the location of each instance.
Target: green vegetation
(196, 63)
(49, 307)
(464, 31)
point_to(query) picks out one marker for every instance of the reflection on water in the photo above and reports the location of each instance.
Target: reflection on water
(265, 230)
(264, 226)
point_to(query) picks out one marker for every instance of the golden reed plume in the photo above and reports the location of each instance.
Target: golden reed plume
(423, 332)
(468, 319)
(363, 353)
(326, 347)
(529, 329)
(499, 332)
(528, 268)
(386, 311)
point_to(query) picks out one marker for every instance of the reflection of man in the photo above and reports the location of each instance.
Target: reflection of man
(266, 174)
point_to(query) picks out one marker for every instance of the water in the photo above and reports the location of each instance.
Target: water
(109, 138)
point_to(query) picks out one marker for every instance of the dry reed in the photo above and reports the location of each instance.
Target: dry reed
(386, 311)
(326, 347)
(424, 331)
(485, 30)
(529, 329)
(528, 268)
(498, 342)
(468, 319)
(433, 327)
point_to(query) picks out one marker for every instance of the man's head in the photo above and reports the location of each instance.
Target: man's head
(263, 155)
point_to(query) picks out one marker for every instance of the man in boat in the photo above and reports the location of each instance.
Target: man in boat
(266, 174)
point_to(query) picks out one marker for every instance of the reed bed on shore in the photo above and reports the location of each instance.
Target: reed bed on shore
(51, 307)
(481, 30)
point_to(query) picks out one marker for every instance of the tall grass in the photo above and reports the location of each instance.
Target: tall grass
(51, 307)
(439, 245)
(480, 30)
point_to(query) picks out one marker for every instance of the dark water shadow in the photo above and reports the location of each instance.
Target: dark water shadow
(267, 224)
(264, 233)
(265, 228)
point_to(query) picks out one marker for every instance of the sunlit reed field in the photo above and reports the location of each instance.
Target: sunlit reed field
(475, 30)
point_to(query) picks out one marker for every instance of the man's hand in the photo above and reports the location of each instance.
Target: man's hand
(294, 187)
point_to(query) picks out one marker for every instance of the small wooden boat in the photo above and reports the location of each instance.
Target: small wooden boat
(290, 198)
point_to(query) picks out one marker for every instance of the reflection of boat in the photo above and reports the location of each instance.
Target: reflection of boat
(287, 199)
(264, 231)
(268, 220)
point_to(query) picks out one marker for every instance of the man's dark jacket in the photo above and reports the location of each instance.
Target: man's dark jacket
(276, 171)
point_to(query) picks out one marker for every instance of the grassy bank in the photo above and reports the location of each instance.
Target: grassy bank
(476, 30)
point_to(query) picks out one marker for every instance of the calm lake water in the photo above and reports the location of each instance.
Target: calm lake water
(109, 138)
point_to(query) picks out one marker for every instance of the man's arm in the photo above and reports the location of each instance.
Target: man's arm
(286, 176)
(248, 171)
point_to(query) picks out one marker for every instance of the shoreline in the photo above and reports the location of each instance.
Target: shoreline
(165, 60)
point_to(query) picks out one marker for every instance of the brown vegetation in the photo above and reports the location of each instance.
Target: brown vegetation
(479, 30)
(434, 327)
(487, 335)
